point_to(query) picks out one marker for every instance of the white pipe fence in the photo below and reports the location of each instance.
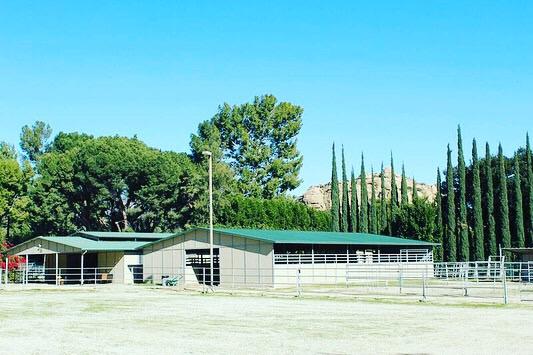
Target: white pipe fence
(489, 280)
(409, 256)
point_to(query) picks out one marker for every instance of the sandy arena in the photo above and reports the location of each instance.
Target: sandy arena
(142, 320)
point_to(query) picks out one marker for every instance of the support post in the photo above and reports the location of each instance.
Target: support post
(57, 266)
(7, 269)
(27, 270)
(81, 271)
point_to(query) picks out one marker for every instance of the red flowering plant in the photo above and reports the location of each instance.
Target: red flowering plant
(14, 262)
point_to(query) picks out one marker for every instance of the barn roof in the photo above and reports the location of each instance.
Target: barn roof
(311, 237)
(78, 244)
(133, 236)
(317, 237)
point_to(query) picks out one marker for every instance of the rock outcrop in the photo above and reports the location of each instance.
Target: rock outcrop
(319, 196)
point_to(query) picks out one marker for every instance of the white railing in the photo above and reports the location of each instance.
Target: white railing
(34, 274)
(357, 258)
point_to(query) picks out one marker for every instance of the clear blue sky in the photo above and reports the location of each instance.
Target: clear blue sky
(375, 77)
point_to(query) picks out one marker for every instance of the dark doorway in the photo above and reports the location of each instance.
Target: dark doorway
(72, 273)
(200, 259)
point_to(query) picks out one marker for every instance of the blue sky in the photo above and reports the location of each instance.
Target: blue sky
(373, 76)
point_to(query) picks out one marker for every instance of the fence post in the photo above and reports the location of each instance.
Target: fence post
(400, 281)
(505, 295)
(203, 280)
(347, 275)
(298, 290)
(95, 276)
(7, 270)
(424, 286)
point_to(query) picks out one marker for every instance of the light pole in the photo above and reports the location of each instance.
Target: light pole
(210, 156)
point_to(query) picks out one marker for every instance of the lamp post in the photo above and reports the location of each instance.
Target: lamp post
(210, 157)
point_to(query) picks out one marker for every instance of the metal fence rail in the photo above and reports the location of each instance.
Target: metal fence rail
(493, 281)
(357, 258)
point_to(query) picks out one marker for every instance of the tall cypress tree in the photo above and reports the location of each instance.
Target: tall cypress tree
(345, 196)
(518, 236)
(490, 231)
(393, 196)
(403, 188)
(354, 210)
(449, 242)
(502, 223)
(373, 206)
(415, 193)
(478, 252)
(334, 194)
(383, 204)
(528, 201)
(440, 224)
(462, 225)
(363, 209)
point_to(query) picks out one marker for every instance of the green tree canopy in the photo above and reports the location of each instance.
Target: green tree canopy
(33, 140)
(258, 141)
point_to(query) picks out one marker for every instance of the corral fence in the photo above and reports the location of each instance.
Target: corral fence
(403, 275)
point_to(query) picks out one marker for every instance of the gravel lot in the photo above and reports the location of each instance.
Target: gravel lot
(141, 320)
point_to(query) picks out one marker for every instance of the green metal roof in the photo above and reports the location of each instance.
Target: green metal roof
(124, 235)
(314, 237)
(311, 237)
(85, 244)
(95, 245)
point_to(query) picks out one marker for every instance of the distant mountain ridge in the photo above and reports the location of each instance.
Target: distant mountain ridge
(319, 196)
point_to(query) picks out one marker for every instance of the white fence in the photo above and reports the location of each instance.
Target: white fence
(59, 276)
(407, 256)
(478, 280)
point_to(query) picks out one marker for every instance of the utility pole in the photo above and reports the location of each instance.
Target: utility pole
(210, 157)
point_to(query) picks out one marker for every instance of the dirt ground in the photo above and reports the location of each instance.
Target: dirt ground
(142, 320)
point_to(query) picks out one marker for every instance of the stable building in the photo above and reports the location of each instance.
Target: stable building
(275, 257)
(241, 257)
(94, 257)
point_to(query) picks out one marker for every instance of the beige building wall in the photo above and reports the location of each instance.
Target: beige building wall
(243, 261)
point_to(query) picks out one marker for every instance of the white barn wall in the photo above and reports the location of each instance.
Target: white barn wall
(239, 258)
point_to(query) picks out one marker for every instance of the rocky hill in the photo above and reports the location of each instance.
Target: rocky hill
(319, 196)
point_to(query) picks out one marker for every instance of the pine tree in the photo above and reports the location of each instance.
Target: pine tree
(393, 196)
(490, 231)
(363, 209)
(345, 197)
(528, 200)
(440, 224)
(503, 203)
(334, 194)
(518, 236)
(478, 252)
(354, 210)
(462, 225)
(373, 206)
(449, 242)
(403, 188)
(383, 203)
